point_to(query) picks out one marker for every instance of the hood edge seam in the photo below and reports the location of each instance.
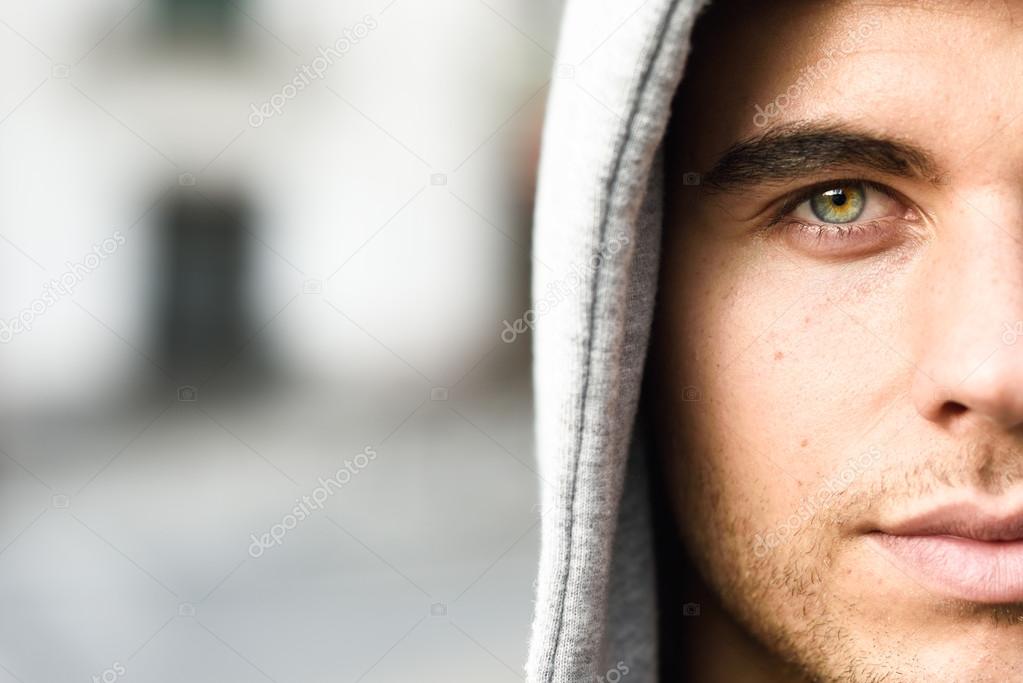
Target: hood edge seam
(655, 51)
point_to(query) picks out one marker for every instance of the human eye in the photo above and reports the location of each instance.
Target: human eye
(844, 219)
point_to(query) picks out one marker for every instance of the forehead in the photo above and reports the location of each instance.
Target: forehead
(914, 70)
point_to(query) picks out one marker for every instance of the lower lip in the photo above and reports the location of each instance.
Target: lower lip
(964, 568)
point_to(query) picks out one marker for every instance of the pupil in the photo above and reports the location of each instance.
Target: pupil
(838, 198)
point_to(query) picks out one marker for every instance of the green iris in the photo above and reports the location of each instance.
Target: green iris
(840, 204)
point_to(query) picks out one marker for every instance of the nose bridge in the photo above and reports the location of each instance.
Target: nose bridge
(971, 352)
(984, 295)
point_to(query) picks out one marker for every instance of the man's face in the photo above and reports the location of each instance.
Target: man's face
(839, 341)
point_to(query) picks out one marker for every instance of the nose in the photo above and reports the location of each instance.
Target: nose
(969, 362)
(992, 391)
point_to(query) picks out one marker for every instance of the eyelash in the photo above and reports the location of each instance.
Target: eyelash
(837, 231)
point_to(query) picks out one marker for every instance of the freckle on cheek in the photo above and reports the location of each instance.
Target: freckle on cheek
(778, 355)
(802, 444)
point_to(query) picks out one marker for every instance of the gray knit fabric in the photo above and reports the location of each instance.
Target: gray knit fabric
(596, 242)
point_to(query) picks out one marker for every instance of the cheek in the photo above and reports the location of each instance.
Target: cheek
(793, 366)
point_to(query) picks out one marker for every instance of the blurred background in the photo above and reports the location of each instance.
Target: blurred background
(258, 420)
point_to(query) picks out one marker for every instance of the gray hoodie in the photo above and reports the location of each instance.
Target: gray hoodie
(596, 243)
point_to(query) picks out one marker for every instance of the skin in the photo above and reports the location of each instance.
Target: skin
(886, 358)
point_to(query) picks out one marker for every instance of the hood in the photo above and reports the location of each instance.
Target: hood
(595, 259)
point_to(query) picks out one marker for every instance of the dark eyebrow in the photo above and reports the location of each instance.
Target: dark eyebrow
(795, 150)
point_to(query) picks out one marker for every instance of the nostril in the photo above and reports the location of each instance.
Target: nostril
(953, 408)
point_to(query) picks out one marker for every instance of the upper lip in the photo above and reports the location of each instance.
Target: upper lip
(966, 520)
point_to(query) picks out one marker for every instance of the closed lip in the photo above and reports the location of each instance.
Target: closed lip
(965, 520)
(962, 550)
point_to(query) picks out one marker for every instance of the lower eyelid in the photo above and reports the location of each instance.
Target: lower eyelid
(836, 229)
(839, 239)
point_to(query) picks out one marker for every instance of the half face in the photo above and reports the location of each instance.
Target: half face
(838, 348)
